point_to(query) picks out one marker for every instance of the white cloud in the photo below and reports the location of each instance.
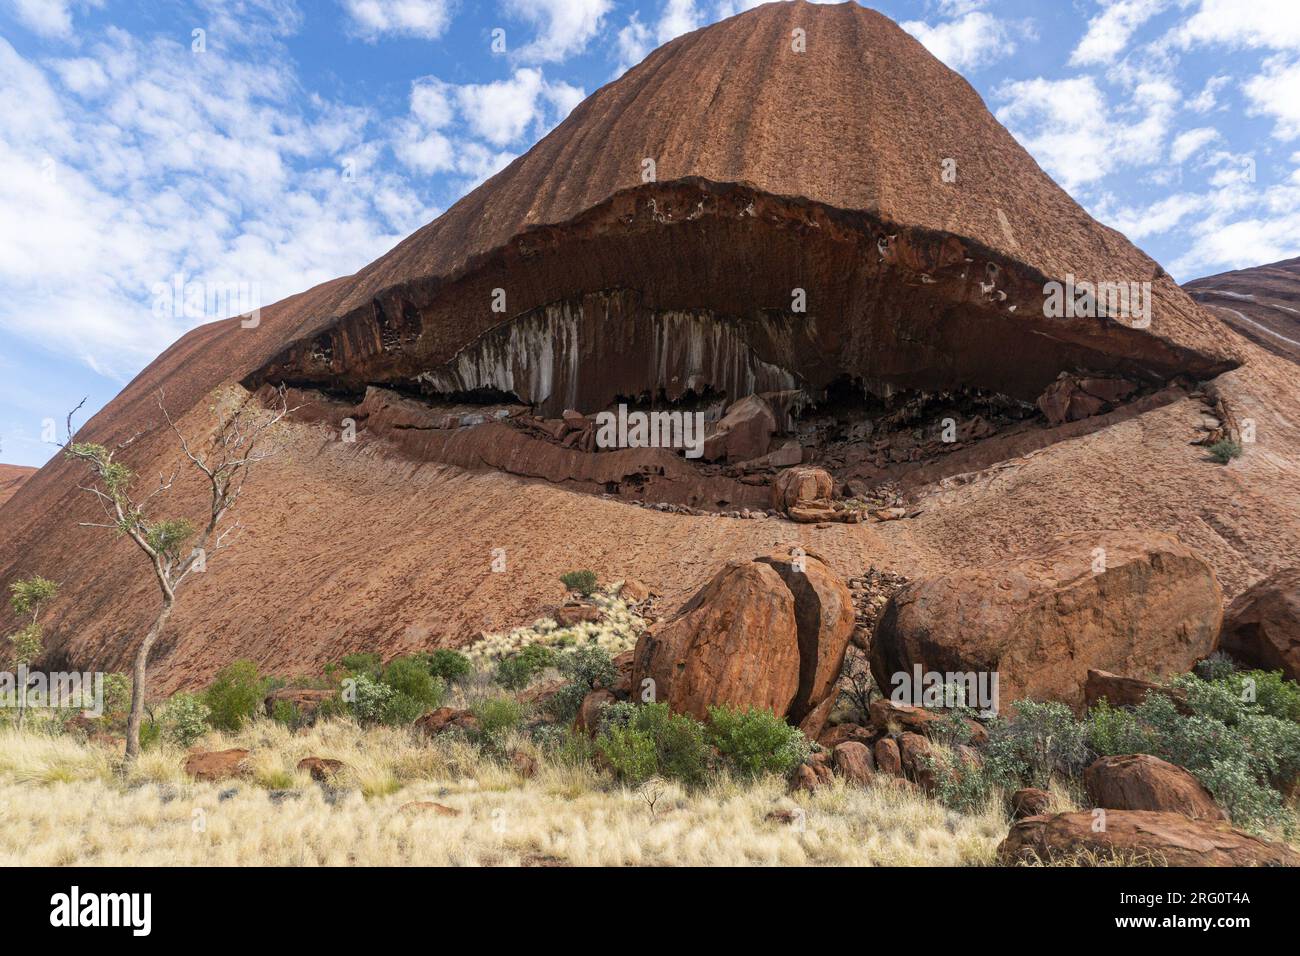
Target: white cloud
(1187, 144)
(968, 42)
(1208, 98)
(1269, 24)
(1111, 30)
(139, 160)
(469, 129)
(372, 19)
(1275, 92)
(565, 26)
(1077, 135)
(49, 18)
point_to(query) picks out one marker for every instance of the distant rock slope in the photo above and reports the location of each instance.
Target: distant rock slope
(1262, 303)
(12, 478)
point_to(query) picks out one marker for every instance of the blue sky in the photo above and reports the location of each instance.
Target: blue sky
(290, 141)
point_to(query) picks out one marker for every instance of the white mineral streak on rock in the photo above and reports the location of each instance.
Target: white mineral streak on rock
(540, 357)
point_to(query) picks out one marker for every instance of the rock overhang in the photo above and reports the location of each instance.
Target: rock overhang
(691, 288)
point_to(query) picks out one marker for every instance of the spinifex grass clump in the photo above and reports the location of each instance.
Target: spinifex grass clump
(1226, 450)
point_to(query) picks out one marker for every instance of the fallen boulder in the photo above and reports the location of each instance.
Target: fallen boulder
(888, 760)
(769, 633)
(1144, 782)
(1105, 601)
(736, 642)
(321, 769)
(802, 486)
(744, 432)
(1143, 837)
(853, 762)
(824, 616)
(1072, 397)
(444, 719)
(1262, 626)
(305, 701)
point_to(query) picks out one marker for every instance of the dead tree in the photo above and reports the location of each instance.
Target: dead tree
(177, 547)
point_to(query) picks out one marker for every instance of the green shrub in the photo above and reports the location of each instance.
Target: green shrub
(450, 666)
(1218, 666)
(1113, 730)
(1269, 690)
(517, 671)
(151, 731)
(585, 669)
(286, 712)
(678, 745)
(184, 720)
(754, 741)
(370, 699)
(497, 717)
(401, 709)
(630, 754)
(1042, 739)
(233, 697)
(367, 663)
(1224, 451)
(410, 677)
(584, 582)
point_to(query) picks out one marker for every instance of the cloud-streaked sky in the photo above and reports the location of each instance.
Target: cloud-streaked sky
(280, 143)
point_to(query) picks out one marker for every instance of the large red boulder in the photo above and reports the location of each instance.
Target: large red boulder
(824, 617)
(736, 642)
(1120, 602)
(744, 432)
(769, 633)
(1144, 837)
(1262, 626)
(1144, 782)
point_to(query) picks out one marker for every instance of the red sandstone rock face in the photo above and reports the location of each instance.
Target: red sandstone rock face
(1262, 626)
(744, 433)
(1109, 601)
(12, 478)
(1143, 782)
(1141, 837)
(1261, 303)
(881, 251)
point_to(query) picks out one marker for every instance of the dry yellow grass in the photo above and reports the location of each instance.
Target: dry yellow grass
(61, 803)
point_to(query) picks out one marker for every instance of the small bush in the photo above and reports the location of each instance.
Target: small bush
(1112, 731)
(517, 671)
(367, 663)
(754, 741)
(1218, 666)
(1224, 451)
(497, 718)
(450, 666)
(677, 744)
(234, 696)
(584, 582)
(410, 677)
(585, 668)
(370, 699)
(630, 754)
(1042, 739)
(184, 720)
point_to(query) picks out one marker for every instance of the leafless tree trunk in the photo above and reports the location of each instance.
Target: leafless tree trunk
(236, 446)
